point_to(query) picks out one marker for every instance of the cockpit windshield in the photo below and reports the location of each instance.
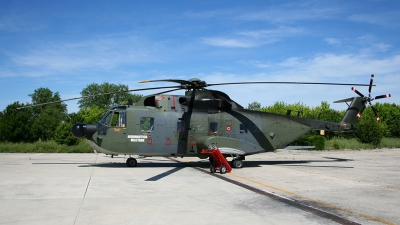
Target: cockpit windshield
(115, 117)
(106, 119)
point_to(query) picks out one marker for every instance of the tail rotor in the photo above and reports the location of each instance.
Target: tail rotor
(369, 99)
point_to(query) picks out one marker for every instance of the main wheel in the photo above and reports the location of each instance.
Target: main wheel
(237, 163)
(222, 169)
(212, 169)
(131, 162)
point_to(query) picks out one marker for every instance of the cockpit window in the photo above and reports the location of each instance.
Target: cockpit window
(121, 119)
(114, 119)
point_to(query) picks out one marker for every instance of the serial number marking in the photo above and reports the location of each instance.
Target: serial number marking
(137, 140)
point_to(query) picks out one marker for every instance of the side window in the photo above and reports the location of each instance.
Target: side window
(119, 119)
(181, 126)
(213, 128)
(147, 124)
(243, 129)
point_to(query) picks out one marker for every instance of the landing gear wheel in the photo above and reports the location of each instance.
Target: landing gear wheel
(131, 162)
(222, 169)
(237, 163)
(212, 169)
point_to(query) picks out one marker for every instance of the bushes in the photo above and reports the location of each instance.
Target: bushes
(63, 135)
(369, 131)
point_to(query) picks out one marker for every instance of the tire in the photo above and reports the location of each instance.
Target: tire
(233, 163)
(212, 169)
(237, 163)
(222, 169)
(131, 162)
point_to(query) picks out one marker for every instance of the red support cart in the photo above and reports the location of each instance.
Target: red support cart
(218, 161)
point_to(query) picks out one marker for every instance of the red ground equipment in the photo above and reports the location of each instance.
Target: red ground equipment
(218, 161)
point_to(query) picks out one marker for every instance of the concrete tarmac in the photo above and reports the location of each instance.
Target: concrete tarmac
(285, 187)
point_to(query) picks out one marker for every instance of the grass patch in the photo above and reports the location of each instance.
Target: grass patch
(354, 144)
(45, 147)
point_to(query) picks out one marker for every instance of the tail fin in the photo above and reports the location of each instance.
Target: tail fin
(349, 120)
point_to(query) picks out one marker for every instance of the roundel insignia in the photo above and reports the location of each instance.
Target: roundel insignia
(228, 128)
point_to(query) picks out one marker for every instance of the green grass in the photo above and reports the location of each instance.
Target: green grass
(340, 143)
(45, 147)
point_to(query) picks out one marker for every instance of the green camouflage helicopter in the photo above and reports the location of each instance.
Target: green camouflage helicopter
(184, 125)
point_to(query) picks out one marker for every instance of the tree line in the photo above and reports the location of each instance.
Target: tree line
(368, 129)
(53, 122)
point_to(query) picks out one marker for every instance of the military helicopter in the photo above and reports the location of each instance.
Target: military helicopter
(184, 125)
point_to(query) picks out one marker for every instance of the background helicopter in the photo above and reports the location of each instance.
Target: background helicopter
(183, 125)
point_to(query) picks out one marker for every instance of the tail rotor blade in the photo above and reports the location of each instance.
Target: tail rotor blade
(369, 99)
(383, 96)
(370, 84)
(357, 92)
(376, 114)
(361, 111)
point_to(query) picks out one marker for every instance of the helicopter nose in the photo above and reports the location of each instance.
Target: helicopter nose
(79, 130)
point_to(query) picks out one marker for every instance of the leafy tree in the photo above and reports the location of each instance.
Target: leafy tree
(46, 117)
(92, 115)
(63, 135)
(15, 125)
(45, 95)
(324, 112)
(254, 106)
(369, 131)
(390, 116)
(394, 127)
(101, 99)
(296, 109)
(1, 125)
(368, 114)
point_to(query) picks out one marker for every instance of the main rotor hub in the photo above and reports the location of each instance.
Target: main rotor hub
(195, 83)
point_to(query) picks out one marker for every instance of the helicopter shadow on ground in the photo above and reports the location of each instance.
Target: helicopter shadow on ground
(176, 165)
(142, 163)
(172, 163)
(292, 163)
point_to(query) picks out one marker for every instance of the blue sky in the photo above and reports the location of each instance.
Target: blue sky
(67, 45)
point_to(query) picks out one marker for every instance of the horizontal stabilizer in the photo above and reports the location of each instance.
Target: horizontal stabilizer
(344, 100)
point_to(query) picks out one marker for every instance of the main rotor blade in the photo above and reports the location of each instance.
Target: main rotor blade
(168, 91)
(167, 80)
(277, 82)
(91, 96)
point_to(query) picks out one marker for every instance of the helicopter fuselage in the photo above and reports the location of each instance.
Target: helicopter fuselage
(167, 125)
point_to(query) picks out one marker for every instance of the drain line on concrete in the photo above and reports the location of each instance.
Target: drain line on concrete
(87, 187)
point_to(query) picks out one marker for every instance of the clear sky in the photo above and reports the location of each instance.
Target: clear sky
(67, 45)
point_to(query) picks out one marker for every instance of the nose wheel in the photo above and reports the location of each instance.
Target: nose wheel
(131, 162)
